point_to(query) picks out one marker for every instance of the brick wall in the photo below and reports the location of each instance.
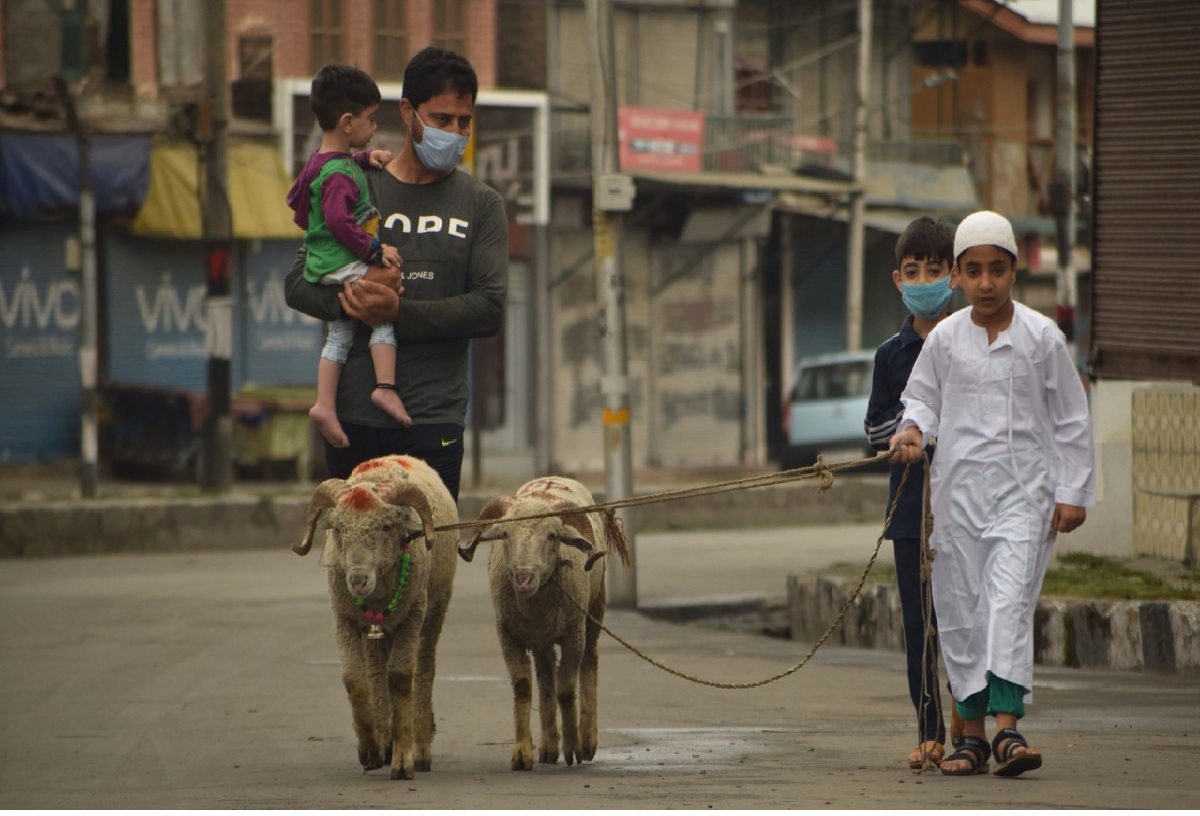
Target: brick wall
(286, 21)
(3, 40)
(143, 49)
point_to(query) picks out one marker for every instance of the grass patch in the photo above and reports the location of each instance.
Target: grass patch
(1082, 575)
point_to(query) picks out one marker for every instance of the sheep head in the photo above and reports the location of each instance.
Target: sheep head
(531, 550)
(371, 525)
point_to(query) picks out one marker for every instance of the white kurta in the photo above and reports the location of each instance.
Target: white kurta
(1013, 439)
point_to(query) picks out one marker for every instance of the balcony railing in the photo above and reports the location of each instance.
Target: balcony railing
(752, 143)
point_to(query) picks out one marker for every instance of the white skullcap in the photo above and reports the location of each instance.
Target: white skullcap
(984, 228)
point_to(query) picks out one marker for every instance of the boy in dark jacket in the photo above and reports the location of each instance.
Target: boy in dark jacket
(924, 256)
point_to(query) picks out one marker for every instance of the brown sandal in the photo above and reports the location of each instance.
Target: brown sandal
(929, 751)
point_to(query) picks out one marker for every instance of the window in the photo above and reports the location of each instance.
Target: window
(941, 53)
(251, 90)
(391, 38)
(324, 33)
(448, 33)
(835, 381)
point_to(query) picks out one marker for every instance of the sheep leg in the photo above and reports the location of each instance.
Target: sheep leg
(356, 670)
(521, 675)
(568, 681)
(423, 723)
(589, 672)
(543, 664)
(400, 670)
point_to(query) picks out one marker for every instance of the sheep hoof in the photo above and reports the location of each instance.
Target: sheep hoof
(404, 769)
(423, 759)
(522, 758)
(548, 756)
(370, 760)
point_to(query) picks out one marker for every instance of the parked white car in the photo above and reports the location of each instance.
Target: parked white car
(825, 408)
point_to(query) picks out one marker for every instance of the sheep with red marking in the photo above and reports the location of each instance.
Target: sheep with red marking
(390, 580)
(541, 578)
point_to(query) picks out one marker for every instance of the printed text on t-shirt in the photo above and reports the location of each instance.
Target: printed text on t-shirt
(428, 223)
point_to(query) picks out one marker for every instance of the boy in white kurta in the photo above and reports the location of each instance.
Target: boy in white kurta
(995, 384)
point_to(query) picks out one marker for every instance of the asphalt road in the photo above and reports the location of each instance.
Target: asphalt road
(211, 681)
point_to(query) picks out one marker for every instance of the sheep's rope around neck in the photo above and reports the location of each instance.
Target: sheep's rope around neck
(376, 618)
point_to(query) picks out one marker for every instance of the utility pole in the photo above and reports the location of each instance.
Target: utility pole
(85, 261)
(212, 119)
(1063, 202)
(858, 200)
(612, 194)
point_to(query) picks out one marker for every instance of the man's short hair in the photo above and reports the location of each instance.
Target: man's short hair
(339, 89)
(926, 240)
(433, 71)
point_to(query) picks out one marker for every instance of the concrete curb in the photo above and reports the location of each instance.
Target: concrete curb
(1143, 635)
(103, 526)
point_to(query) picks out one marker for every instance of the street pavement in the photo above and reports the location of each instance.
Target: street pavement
(210, 680)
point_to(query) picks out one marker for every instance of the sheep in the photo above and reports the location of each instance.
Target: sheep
(389, 600)
(529, 571)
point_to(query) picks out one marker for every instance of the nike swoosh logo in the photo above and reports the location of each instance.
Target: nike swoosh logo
(448, 442)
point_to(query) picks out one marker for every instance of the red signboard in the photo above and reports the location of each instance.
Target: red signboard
(660, 139)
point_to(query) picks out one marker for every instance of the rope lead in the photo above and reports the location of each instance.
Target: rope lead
(819, 470)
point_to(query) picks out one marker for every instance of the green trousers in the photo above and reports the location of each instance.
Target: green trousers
(1000, 696)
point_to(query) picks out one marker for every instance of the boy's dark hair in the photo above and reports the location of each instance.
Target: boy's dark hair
(339, 89)
(926, 240)
(433, 71)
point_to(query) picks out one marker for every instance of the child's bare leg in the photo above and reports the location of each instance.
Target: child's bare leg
(324, 413)
(384, 396)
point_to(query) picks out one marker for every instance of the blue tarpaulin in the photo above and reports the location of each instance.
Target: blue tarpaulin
(40, 173)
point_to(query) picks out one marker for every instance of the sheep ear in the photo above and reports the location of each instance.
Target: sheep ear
(325, 496)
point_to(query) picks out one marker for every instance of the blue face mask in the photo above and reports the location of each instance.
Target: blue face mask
(439, 150)
(926, 300)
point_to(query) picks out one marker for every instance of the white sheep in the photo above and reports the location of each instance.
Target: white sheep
(529, 571)
(389, 598)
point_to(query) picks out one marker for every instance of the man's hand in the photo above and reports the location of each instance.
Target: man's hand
(388, 276)
(374, 298)
(380, 157)
(1067, 517)
(907, 446)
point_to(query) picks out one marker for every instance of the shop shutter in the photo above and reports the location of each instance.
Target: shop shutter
(1146, 298)
(40, 313)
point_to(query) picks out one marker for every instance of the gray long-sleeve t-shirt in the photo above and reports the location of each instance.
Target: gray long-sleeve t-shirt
(452, 235)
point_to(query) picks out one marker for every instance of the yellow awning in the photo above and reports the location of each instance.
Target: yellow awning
(257, 188)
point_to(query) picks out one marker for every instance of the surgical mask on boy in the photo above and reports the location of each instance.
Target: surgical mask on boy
(926, 300)
(439, 150)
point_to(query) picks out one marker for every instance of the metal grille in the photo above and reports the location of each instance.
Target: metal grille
(1146, 298)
